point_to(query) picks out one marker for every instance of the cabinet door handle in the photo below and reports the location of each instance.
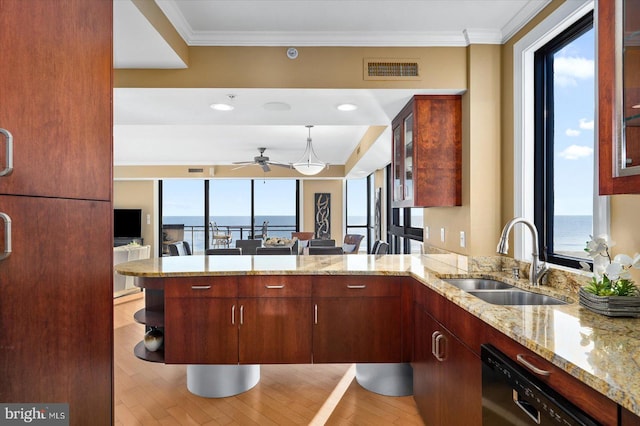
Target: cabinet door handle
(315, 313)
(241, 314)
(233, 315)
(274, 286)
(356, 286)
(8, 152)
(433, 343)
(441, 354)
(7, 236)
(522, 360)
(200, 287)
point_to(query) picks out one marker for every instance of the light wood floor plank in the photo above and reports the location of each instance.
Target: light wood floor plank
(156, 394)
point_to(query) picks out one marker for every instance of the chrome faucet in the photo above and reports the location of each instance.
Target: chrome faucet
(538, 268)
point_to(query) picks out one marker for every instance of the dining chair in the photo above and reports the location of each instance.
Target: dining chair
(315, 250)
(273, 250)
(179, 248)
(317, 242)
(351, 243)
(303, 239)
(382, 248)
(224, 251)
(248, 246)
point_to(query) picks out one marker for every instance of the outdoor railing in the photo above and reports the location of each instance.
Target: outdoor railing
(195, 234)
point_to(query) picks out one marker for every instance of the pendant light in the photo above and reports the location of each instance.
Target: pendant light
(309, 164)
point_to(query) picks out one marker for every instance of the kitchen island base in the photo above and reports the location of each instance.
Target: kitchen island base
(389, 379)
(219, 381)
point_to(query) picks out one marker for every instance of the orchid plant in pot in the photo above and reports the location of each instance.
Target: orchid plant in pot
(611, 277)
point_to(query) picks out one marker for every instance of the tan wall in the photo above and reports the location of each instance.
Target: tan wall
(129, 194)
(336, 189)
(315, 67)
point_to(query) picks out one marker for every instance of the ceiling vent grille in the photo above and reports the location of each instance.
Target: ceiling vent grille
(391, 69)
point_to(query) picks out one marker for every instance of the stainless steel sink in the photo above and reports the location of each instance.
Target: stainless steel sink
(470, 284)
(516, 297)
(499, 293)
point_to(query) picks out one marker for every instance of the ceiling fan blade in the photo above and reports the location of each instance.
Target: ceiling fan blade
(242, 166)
(265, 167)
(288, 166)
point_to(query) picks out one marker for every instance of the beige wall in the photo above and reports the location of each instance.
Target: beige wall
(336, 189)
(141, 194)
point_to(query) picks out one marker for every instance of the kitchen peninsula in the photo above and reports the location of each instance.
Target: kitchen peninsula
(600, 352)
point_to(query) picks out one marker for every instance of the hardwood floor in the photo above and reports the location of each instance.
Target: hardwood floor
(156, 394)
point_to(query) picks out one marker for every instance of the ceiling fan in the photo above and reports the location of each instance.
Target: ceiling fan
(262, 161)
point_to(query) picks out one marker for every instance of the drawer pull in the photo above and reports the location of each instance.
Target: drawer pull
(7, 236)
(521, 359)
(8, 152)
(274, 286)
(356, 286)
(200, 287)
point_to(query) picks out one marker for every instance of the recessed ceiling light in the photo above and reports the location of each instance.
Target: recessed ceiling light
(276, 106)
(347, 107)
(222, 107)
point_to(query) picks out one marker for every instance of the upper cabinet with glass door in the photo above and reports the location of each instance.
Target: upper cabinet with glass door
(618, 26)
(427, 152)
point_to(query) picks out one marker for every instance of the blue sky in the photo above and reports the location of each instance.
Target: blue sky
(574, 71)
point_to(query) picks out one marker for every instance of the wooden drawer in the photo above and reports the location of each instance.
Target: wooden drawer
(356, 286)
(274, 286)
(201, 287)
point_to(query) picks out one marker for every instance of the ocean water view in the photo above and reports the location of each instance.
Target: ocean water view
(571, 232)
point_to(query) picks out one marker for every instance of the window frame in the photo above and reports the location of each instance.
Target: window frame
(523, 143)
(544, 140)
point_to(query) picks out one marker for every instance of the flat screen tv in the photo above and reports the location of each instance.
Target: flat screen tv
(127, 223)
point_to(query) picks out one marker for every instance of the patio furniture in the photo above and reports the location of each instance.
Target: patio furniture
(218, 237)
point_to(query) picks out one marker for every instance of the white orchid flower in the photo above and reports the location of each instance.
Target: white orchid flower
(585, 266)
(623, 259)
(614, 271)
(597, 246)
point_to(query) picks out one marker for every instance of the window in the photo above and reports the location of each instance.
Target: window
(275, 201)
(237, 205)
(359, 209)
(564, 89)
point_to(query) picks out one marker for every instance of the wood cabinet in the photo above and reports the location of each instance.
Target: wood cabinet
(200, 321)
(56, 303)
(447, 374)
(427, 152)
(612, 139)
(357, 319)
(275, 320)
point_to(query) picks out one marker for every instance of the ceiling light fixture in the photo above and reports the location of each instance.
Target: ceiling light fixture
(309, 164)
(224, 107)
(347, 107)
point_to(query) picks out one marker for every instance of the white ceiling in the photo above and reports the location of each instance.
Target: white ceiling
(177, 126)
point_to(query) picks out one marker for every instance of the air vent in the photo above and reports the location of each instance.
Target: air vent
(195, 170)
(391, 69)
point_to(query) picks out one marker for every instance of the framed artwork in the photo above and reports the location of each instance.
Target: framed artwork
(323, 215)
(377, 218)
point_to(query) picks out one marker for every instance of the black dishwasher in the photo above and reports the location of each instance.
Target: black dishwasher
(513, 396)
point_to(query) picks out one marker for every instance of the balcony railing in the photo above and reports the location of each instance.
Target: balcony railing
(195, 234)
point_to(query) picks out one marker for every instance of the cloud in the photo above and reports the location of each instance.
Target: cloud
(575, 152)
(572, 132)
(568, 70)
(586, 125)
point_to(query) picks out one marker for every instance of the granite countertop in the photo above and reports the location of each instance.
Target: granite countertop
(602, 352)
